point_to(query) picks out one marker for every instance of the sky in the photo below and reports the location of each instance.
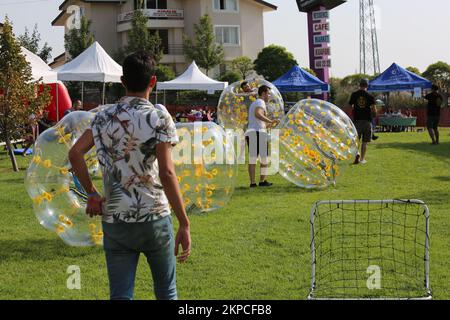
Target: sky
(410, 32)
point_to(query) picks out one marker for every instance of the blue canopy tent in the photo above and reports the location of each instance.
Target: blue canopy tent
(298, 80)
(395, 78)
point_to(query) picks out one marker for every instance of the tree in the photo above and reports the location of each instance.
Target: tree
(439, 73)
(352, 81)
(414, 70)
(242, 65)
(230, 77)
(20, 101)
(141, 38)
(274, 61)
(78, 40)
(164, 73)
(31, 42)
(204, 50)
(311, 71)
(75, 42)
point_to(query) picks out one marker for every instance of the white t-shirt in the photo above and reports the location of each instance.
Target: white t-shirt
(254, 124)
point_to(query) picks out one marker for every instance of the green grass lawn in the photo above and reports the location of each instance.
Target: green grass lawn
(255, 248)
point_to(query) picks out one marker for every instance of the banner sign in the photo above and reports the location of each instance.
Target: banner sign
(324, 51)
(321, 64)
(153, 13)
(322, 39)
(321, 15)
(321, 27)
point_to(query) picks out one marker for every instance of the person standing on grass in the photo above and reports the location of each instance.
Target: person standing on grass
(134, 141)
(363, 104)
(257, 137)
(435, 101)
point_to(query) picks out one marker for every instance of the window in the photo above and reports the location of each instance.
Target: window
(164, 35)
(227, 35)
(151, 4)
(225, 5)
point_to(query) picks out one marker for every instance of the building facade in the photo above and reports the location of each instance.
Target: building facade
(238, 24)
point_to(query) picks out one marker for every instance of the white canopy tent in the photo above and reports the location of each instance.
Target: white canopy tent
(193, 79)
(39, 68)
(93, 65)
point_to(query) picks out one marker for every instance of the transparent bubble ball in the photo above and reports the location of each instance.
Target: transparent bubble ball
(234, 103)
(59, 201)
(314, 137)
(205, 165)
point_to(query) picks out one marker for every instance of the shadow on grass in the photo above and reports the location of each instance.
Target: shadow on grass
(41, 250)
(20, 180)
(430, 197)
(438, 151)
(275, 189)
(444, 179)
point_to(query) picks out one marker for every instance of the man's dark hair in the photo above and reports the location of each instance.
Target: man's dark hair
(364, 83)
(243, 84)
(434, 87)
(138, 69)
(263, 89)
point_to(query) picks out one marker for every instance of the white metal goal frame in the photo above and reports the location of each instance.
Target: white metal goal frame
(426, 257)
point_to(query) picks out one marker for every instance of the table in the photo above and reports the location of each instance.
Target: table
(398, 122)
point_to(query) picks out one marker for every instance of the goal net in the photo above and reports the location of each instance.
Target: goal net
(370, 249)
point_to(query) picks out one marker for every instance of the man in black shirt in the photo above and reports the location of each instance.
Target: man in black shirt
(363, 104)
(434, 113)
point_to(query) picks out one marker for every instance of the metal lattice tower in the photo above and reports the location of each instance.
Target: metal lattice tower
(369, 55)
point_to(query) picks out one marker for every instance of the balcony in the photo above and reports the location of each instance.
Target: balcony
(160, 19)
(158, 14)
(174, 50)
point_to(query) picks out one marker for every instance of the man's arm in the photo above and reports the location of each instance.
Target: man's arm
(171, 187)
(80, 169)
(260, 114)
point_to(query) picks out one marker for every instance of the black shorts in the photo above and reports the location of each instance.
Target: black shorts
(364, 129)
(433, 122)
(258, 146)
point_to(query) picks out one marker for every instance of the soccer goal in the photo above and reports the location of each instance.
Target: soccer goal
(370, 249)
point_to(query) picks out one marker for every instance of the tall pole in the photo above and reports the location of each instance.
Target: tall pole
(82, 93)
(369, 55)
(57, 102)
(103, 94)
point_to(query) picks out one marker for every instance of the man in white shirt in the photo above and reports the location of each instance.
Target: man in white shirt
(257, 137)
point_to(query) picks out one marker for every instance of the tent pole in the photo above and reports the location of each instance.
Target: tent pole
(82, 96)
(57, 103)
(164, 97)
(103, 95)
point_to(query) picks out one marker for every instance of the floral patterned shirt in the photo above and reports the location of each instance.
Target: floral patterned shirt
(126, 135)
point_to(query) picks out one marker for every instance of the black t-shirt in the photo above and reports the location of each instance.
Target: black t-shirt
(434, 104)
(362, 101)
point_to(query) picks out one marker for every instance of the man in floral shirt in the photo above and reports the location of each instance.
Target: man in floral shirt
(134, 141)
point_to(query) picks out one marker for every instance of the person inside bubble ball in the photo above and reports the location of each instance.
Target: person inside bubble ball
(257, 137)
(134, 140)
(363, 104)
(245, 87)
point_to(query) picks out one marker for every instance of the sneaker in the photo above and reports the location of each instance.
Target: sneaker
(253, 185)
(265, 184)
(375, 138)
(357, 159)
(363, 161)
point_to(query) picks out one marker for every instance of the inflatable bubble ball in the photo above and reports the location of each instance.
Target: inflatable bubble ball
(204, 160)
(58, 199)
(205, 165)
(313, 138)
(234, 103)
